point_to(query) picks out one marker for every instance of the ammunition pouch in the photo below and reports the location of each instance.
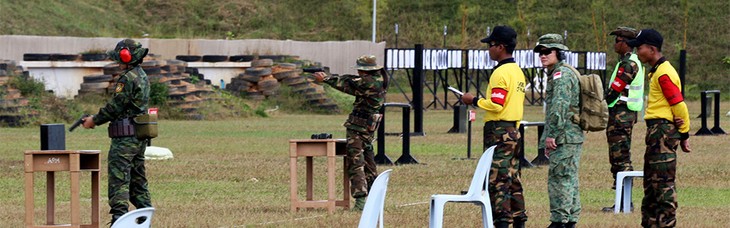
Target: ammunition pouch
(374, 122)
(145, 126)
(121, 128)
(357, 120)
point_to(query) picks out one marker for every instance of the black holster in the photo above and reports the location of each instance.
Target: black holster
(121, 128)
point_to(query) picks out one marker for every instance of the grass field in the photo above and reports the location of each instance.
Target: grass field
(235, 174)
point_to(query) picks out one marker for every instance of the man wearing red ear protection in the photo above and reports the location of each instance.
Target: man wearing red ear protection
(127, 178)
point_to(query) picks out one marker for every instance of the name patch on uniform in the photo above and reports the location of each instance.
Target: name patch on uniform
(557, 75)
(120, 87)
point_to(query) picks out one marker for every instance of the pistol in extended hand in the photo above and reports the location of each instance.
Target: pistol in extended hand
(78, 122)
(316, 69)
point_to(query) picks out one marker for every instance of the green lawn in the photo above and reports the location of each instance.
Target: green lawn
(236, 173)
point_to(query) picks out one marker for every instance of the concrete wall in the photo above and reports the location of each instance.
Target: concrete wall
(338, 55)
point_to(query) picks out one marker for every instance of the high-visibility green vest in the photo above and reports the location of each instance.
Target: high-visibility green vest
(635, 100)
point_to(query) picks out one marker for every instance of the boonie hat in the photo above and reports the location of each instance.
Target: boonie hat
(550, 41)
(367, 63)
(627, 32)
(647, 36)
(503, 35)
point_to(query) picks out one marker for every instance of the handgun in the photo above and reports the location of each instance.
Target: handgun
(78, 122)
(316, 69)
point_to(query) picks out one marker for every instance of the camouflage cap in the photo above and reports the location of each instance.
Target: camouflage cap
(551, 41)
(627, 32)
(367, 63)
(135, 49)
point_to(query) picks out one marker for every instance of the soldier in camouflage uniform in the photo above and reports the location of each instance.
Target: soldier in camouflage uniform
(563, 139)
(625, 96)
(504, 109)
(127, 179)
(667, 123)
(368, 87)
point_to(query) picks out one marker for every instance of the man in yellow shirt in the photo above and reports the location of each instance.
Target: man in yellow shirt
(504, 107)
(665, 107)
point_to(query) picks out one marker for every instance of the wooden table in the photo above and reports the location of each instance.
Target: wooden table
(310, 148)
(51, 161)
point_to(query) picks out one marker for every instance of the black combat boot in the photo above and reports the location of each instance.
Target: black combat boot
(501, 225)
(557, 225)
(610, 209)
(518, 224)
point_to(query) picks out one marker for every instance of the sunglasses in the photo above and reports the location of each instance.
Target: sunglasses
(493, 44)
(545, 52)
(619, 41)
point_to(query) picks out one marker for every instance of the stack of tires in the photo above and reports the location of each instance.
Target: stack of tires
(208, 58)
(11, 101)
(96, 84)
(313, 93)
(264, 79)
(186, 88)
(256, 82)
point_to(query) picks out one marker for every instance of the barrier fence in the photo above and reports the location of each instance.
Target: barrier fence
(469, 70)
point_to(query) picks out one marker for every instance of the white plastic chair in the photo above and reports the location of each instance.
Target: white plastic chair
(623, 185)
(129, 220)
(373, 211)
(474, 195)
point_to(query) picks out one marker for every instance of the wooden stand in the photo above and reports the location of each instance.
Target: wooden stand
(310, 148)
(51, 161)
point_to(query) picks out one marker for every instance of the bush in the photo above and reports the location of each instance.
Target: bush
(28, 86)
(158, 93)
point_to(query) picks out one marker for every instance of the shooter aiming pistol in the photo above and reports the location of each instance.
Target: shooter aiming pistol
(78, 122)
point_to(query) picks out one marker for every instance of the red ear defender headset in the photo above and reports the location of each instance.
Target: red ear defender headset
(125, 55)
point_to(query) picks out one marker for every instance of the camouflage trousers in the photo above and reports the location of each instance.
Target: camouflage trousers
(658, 208)
(361, 161)
(621, 122)
(563, 183)
(505, 185)
(127, 180)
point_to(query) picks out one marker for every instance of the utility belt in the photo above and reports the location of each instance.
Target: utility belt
(495, 124)
(121, 128)
(360, 114)
(652, 122)
(142, 127)
(370, 121)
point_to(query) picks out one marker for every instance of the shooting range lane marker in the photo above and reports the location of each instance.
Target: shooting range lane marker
(319, 216)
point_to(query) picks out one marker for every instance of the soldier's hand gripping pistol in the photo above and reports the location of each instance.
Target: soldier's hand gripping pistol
(313, 70)
(78, 122)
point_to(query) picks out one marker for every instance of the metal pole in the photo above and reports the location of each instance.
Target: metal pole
(445, 32)
(375, 2)
(396, 35)
(716, 129)
(417, 85)
(682, 68)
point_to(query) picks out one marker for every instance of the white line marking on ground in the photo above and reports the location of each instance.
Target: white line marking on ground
(412, 204)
